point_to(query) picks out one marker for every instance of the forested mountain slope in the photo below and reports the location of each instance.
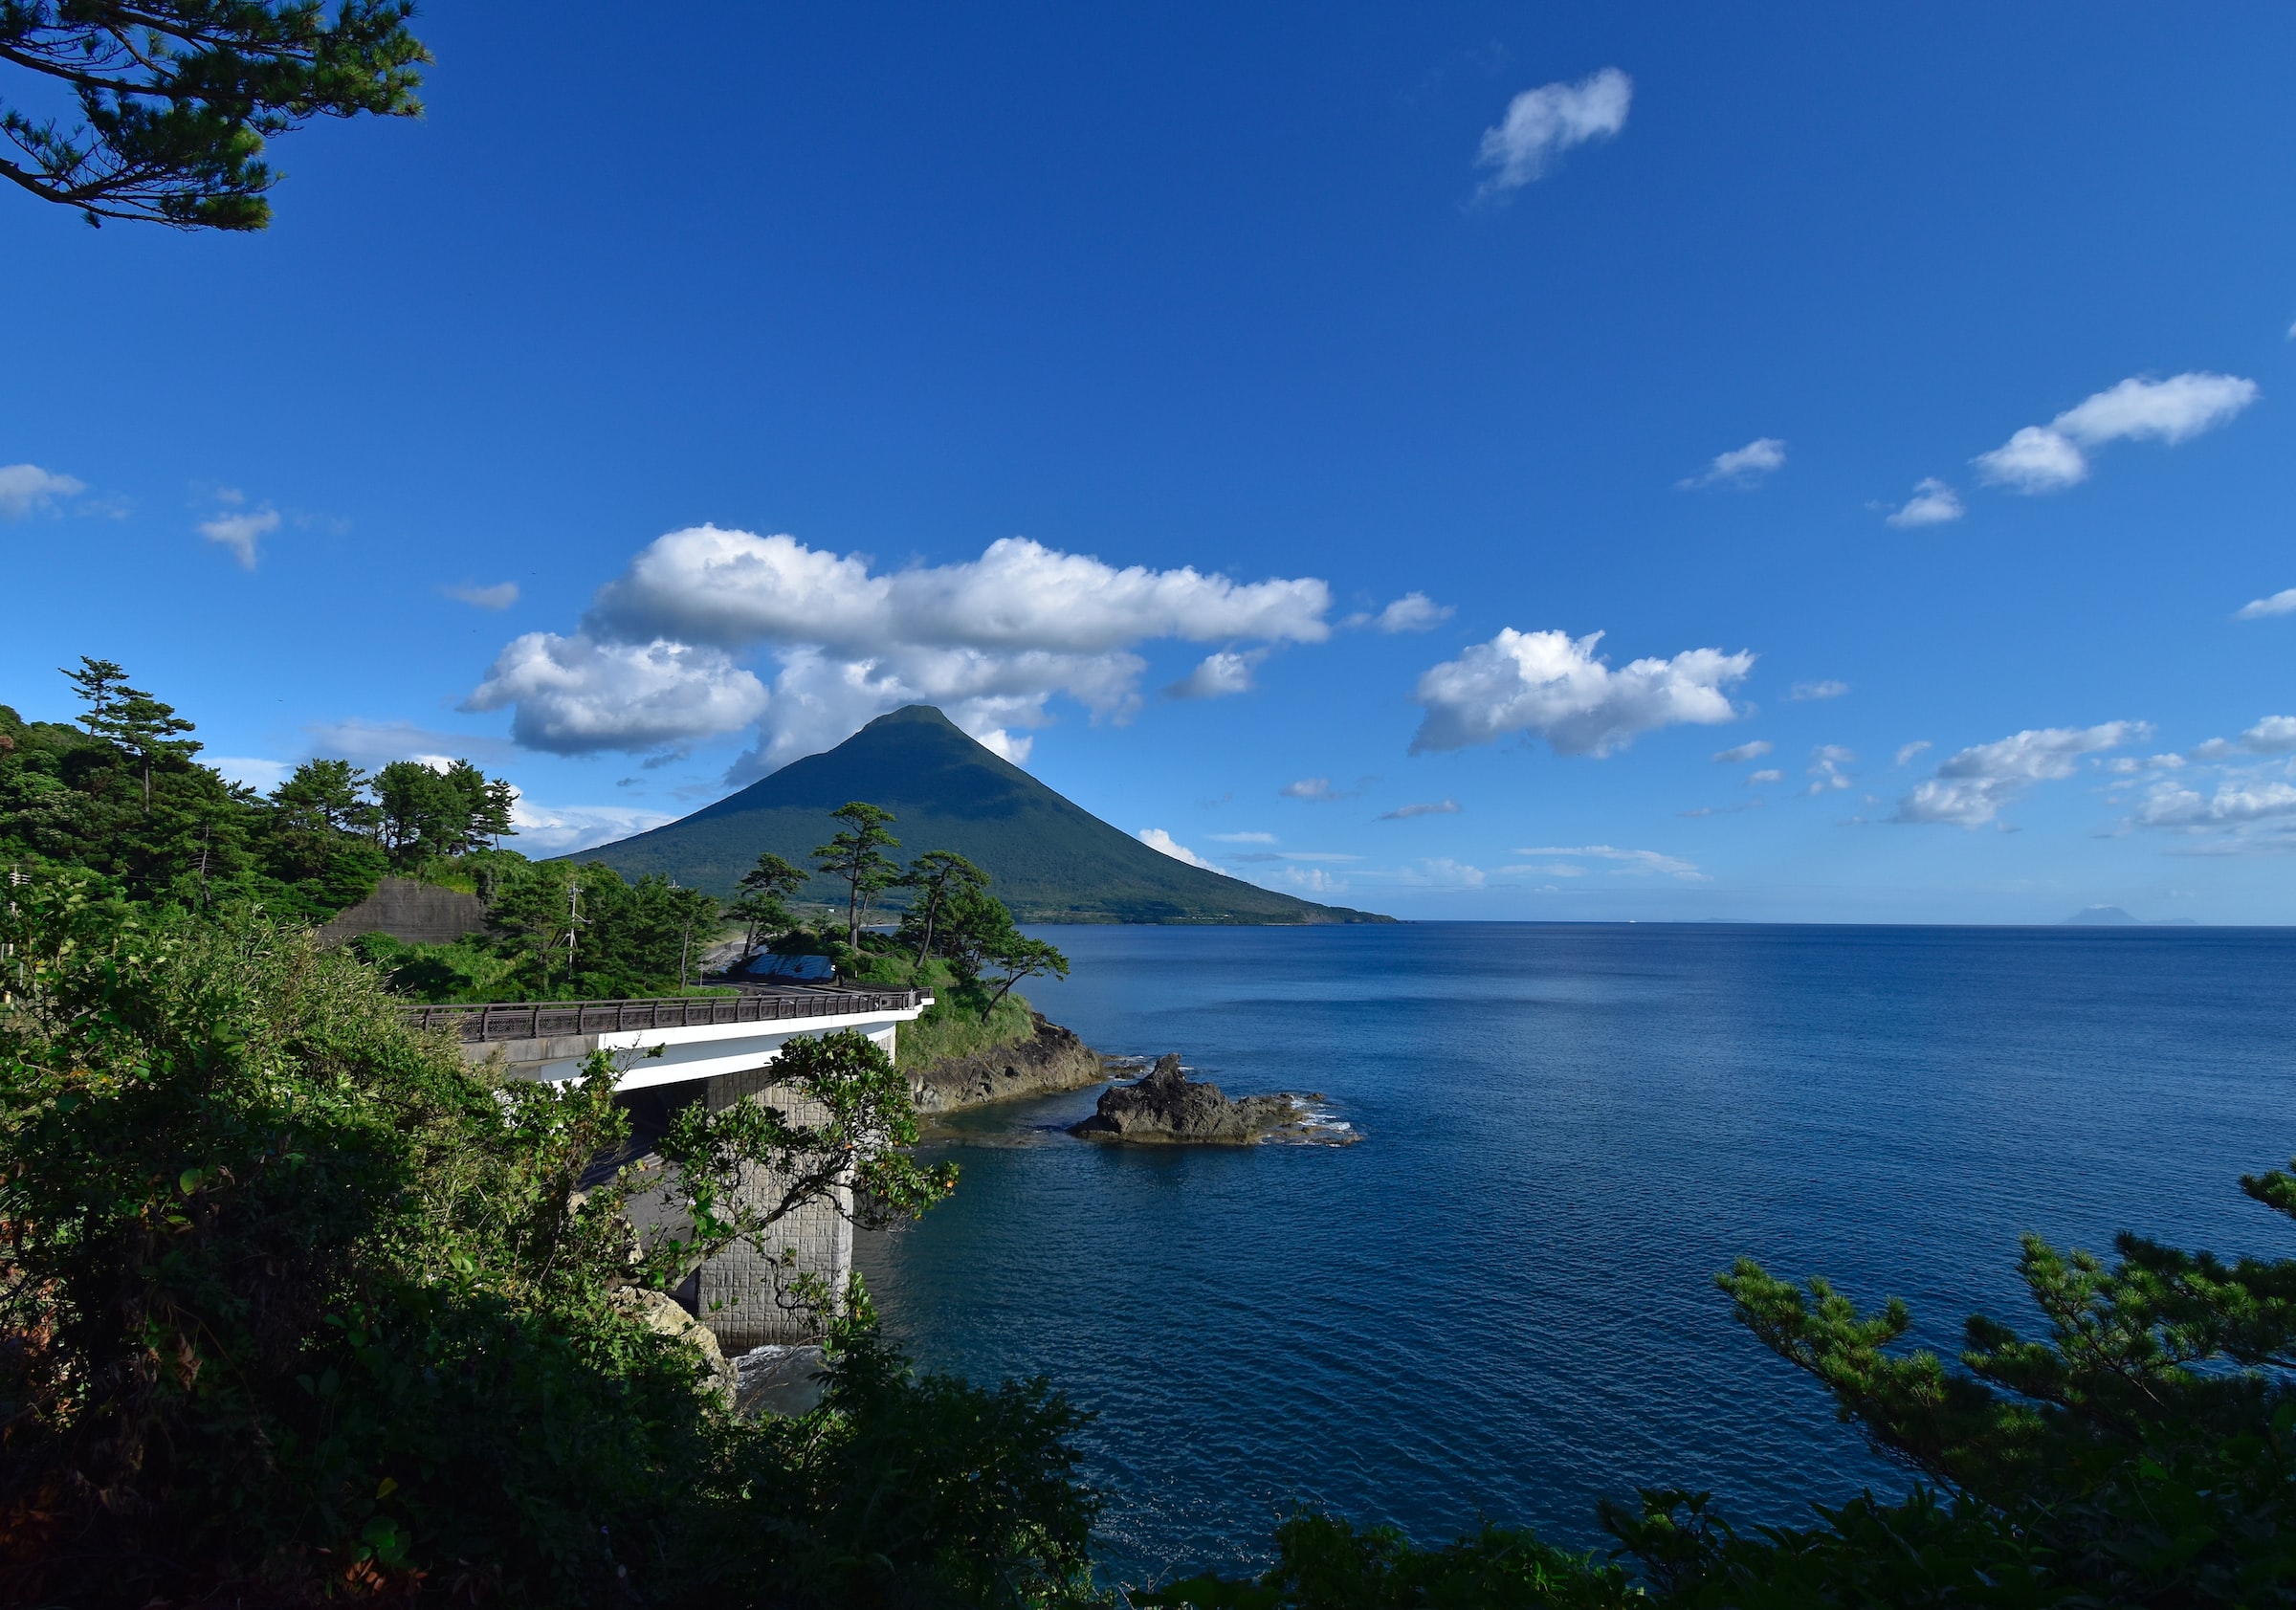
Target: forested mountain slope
(1052, 860)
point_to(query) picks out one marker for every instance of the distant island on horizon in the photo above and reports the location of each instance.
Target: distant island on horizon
(1050, 859)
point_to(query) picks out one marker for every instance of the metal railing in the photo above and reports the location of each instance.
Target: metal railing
(538, 1020)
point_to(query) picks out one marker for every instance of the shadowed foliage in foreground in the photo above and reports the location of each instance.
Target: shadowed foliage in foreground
(300, 1307)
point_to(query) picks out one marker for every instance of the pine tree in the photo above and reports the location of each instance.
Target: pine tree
(856, 857)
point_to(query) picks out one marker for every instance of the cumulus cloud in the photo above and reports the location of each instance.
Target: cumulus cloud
(1414, 612)
(1626, 860)
(1741, 467)
(1436, 807)
(1806, 691)
(1766, 774)
(1157, 839)
(241, 530)
(1932, 503)
(2281, 603)
(2235, 803)
(564, 829)
(500, 596)
(1907, 751)
(2274, 735)
(989, 640)
(2051, 457)
(572, 695)
(1739, 754)
(1542, 124)
(1217, 676)
(1550, 685)
(1971, 787)
(27, 488)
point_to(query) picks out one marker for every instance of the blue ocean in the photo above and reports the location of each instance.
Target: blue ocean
(1500, 1303)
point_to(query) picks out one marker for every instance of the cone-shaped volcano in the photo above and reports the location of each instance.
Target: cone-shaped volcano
(1052, 861)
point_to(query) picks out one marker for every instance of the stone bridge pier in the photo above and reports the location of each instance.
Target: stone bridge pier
(716, 1052)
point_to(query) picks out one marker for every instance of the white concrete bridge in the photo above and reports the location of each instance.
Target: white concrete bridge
(717, 1050)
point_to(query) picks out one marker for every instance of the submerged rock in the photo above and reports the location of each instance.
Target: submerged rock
(1167, 1108)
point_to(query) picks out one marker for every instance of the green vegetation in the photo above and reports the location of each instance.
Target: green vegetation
(855, 857)
(120, 795)
(176, 96)
(1052, 861)
(300, 1307)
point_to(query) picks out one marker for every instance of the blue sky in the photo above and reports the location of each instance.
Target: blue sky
(1109, 376)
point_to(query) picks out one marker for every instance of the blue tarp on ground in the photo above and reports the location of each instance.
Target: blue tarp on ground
(798, 969)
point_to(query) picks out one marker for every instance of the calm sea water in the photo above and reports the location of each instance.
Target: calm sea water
(1501, 1303)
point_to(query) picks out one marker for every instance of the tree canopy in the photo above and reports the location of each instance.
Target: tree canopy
(855, 855)
(303, 1308)
(158, 110)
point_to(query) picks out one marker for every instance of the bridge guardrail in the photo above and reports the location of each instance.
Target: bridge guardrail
(540, 1020)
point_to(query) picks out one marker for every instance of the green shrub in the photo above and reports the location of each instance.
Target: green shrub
(300, 1307)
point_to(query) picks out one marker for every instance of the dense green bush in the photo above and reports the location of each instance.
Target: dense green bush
(299, 1306)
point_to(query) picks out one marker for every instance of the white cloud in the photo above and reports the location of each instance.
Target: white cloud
(1827, 761)
(500, 596)
(2234, 803)
(989, 640)
(1969, 788)
(2282, 602)
(1552, 684)
(1436, 807)
(1241, 838)
(1932, 503)
(371, 743)
(2274, 735)
(1157, 839)
(562, 829)
(1768, 775)
(1541, 124)
(1803, 692)
(1217, 676)
(575, 694)
(1626, 860)
(240, 532)
(1317, 789)
(2051, 457)
(25, 488)
(258, 773)
(1305, 880)
(1740, 754)
(1741, 467)
(1414, 612)
(1907, 751)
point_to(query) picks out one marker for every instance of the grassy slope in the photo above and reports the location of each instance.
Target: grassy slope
(1052, 861)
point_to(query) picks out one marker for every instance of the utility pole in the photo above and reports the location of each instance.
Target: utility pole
(573, 923)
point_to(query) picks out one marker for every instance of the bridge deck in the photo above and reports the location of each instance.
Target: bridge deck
(538, 1020)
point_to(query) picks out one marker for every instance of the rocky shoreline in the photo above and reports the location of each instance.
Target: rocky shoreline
(1050, 1061)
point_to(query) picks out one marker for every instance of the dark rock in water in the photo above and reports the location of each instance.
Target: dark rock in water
(1167, 1108)
(779, 1380)
(1050, 1060)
